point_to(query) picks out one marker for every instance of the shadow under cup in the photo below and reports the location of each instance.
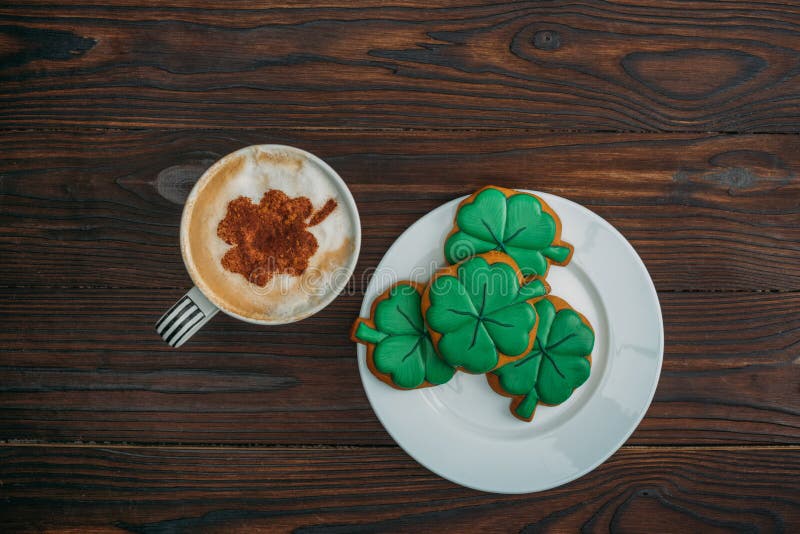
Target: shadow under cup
(285, 298)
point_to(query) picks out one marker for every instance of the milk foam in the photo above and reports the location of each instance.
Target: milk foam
(251, 172)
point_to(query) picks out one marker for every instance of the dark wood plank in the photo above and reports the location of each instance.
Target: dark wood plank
(593, 65)
(148, 490)
(101, 208)
(85, 364)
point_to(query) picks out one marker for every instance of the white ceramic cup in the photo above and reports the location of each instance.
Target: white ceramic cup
(195, 308)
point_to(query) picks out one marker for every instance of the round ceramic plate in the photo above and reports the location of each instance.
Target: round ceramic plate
(464, 431)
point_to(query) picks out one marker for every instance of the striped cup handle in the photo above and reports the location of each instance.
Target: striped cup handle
(185, 318)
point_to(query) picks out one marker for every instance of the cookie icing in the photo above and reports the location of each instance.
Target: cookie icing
(558, 363)
(480, 312)
(521, 225)
(399, 348)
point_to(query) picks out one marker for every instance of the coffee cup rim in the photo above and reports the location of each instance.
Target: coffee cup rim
(346, 196)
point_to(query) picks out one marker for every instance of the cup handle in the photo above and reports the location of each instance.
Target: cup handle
(185, 318)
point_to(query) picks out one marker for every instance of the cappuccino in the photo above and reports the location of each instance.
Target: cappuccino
(269, 234)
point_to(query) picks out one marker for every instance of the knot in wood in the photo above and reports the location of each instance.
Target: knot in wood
(547, 40)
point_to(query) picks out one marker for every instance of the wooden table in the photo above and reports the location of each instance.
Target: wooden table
(676, 121)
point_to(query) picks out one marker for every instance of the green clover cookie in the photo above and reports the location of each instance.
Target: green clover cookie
(559, 362)
(399, 349)
(520, 224)
(480, 312)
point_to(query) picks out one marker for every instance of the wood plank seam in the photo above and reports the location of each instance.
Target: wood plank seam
(261, 447)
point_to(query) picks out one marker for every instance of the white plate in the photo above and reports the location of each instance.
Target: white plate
(463, 430)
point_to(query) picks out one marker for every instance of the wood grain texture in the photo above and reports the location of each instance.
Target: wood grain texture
(705, 212)
(86, 364)
(150, 490)
(589, 65)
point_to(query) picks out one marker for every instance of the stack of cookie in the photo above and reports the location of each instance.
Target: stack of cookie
(489, 311)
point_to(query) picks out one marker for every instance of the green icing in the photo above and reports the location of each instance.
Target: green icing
(482, 312)
(556, 365)
(402, 346)
(516, 225)
(369, 335)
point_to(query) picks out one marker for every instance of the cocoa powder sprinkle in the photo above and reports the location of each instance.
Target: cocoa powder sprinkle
(326, 210)
(270, 237)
